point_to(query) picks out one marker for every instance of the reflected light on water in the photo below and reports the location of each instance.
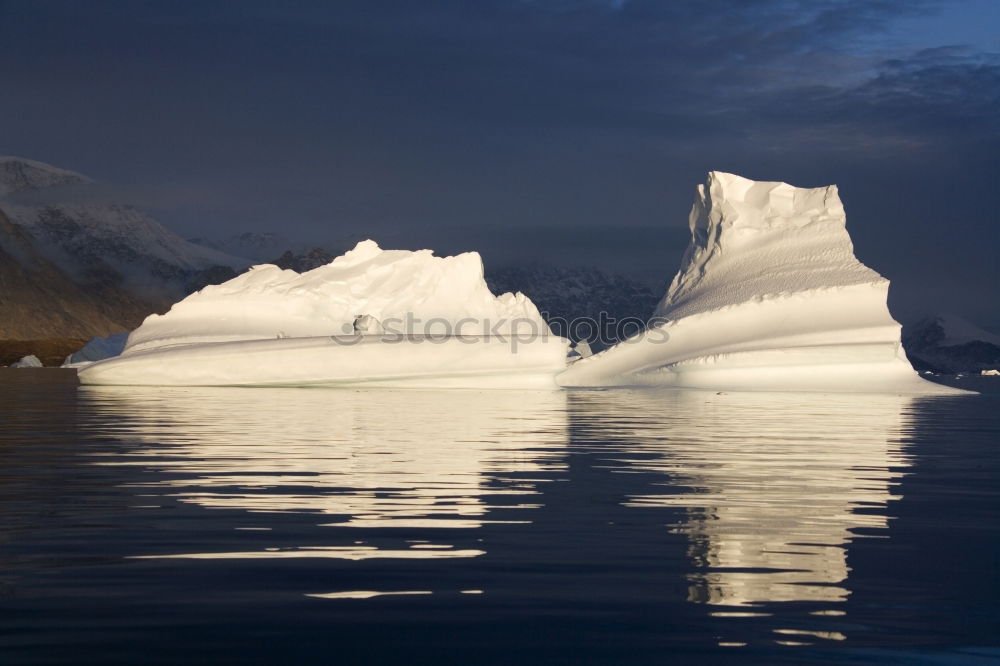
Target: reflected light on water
(366, 594)
(769, 490)
(583, 526)
(774, 487)
(335, 552)
(359, 458)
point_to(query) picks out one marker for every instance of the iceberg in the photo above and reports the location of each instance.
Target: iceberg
(769, 296)
(371, 316)
(29, 361)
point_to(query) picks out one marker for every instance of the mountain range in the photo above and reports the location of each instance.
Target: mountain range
(946, 344)
(72, 265)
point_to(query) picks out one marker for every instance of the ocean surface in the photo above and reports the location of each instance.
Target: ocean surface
(304, 526)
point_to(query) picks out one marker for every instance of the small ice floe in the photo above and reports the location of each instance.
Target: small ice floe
(29, 361)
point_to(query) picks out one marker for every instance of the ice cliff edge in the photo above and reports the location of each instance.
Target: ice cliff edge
(769, 296)
(752, 240)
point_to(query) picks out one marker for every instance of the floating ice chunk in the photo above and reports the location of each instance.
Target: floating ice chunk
(426, 321)
(29, 361)
(769, 296)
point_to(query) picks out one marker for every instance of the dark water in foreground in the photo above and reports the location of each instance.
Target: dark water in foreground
(349, 526)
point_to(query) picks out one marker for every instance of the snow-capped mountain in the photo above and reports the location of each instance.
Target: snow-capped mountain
(18, 175)
(40, 300)
(59, 238)
(85, 236)
(947, 343)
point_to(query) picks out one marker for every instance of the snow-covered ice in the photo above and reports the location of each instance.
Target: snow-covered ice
(769, 296)
(370, 316)
(408, 292)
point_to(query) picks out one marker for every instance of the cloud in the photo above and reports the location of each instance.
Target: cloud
(940, 99)
(424, 116)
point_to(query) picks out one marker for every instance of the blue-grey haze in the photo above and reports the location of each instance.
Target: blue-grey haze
(551, 130)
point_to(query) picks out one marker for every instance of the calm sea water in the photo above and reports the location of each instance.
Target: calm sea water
(297, 526)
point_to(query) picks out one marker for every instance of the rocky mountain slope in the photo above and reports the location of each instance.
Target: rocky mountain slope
(304, 261)
(39, 299)
(949, 344)
(74, 266)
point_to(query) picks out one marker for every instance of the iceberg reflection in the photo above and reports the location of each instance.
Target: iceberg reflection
(356, 458)
(771, 489)
(774, 487)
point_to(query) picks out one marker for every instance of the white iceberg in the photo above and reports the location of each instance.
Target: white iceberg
(29, 361)
(371, 316)
(769, 296)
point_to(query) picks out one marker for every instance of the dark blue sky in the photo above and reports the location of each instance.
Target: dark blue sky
(577, 128)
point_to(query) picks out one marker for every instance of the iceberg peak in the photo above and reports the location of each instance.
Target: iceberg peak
(387, 285)
(754, 239)
(771, 204)
(364, 251)
(769, 296)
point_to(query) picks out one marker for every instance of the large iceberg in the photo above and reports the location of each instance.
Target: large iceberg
(370, 316)
(769, 296)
